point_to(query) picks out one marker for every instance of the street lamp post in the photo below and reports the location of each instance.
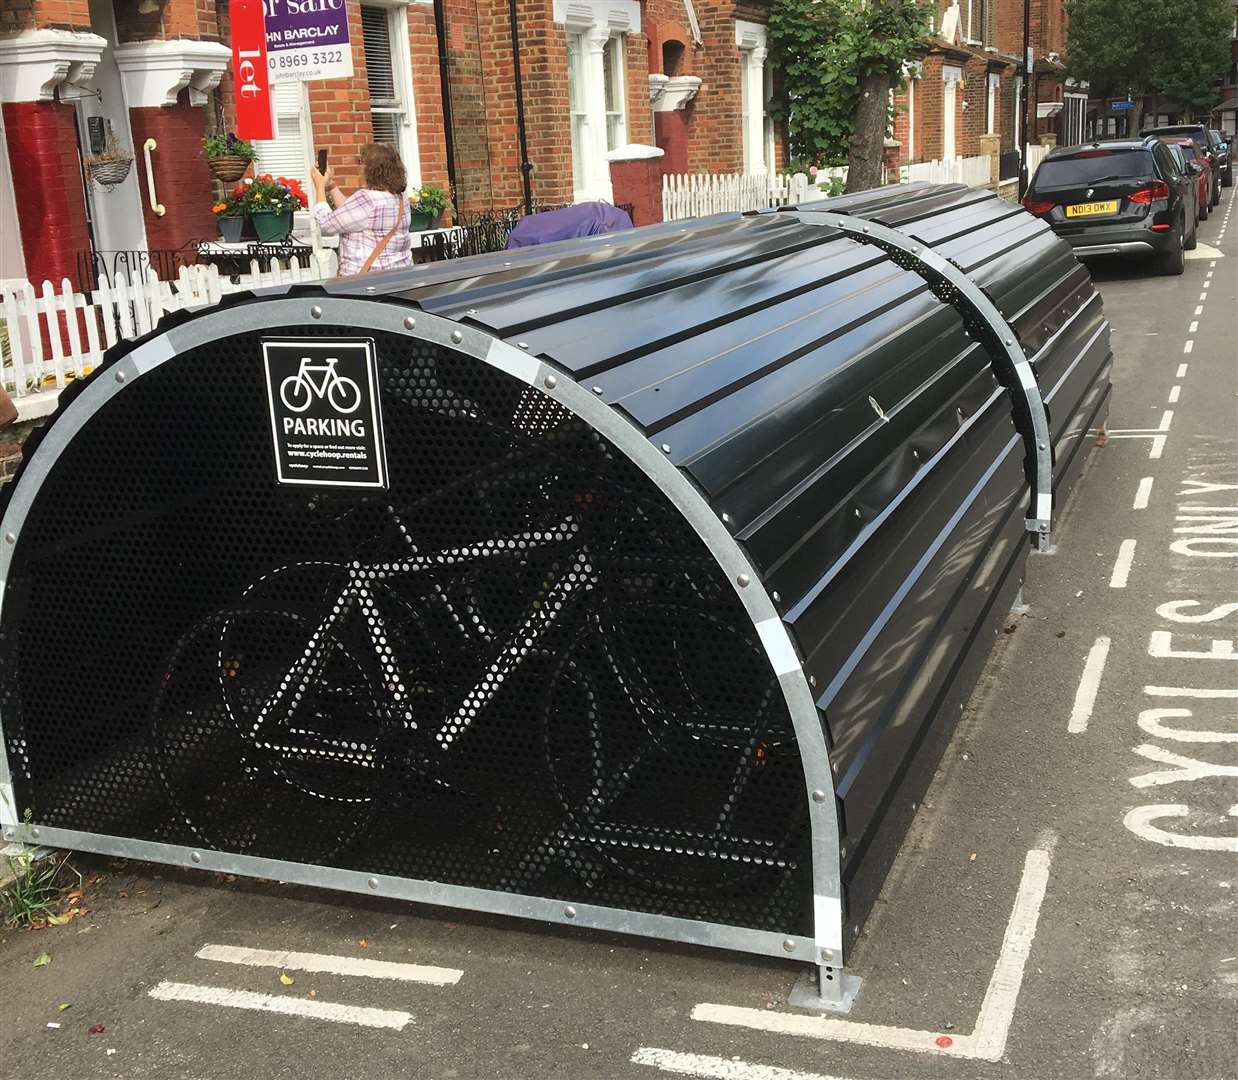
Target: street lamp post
(1027, 90)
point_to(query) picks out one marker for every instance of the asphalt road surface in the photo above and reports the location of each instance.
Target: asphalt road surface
(1065, 905)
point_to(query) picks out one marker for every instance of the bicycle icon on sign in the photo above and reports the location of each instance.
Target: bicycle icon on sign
(316, 381)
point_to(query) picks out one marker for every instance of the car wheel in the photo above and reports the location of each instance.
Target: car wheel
(1192, 242)
(1172, 262)
(1204, 211)
(1227, 178)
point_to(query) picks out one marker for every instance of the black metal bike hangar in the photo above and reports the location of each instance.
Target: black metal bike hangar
(633, 582)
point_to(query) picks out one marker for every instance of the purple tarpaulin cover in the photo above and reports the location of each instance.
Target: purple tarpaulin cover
(583, 219)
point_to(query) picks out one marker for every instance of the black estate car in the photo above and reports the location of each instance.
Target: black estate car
(1121, 197)
(1225, 156)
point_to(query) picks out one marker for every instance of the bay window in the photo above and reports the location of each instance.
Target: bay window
(596, 33)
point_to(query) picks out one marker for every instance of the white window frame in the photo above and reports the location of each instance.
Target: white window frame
(1075, 110)
(591, 27)
(952, 77)
(755, 84)
(993, 91)
(617, 119)
(402, 76)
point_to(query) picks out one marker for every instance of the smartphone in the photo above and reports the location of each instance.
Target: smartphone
(322, 161)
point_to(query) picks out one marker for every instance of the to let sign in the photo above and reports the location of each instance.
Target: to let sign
(307, 39)
(250, 71)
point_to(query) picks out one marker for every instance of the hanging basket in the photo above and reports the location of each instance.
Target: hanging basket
(109, 172)
(228, 168)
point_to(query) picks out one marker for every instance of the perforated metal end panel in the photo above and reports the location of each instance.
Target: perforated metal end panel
(516, 668)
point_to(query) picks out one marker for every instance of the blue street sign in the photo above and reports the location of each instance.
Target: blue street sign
(1118, 106)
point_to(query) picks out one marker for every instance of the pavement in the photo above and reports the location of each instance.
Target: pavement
(1064, 905)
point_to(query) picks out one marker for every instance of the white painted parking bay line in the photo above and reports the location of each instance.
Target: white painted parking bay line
(1174, 393)
(1142, 494)
(286, 1006)
(1182, 369)
(1189, 347)
(672, 1061)
(986, 1043)
(333, 965)
(1089, 685)
(1122, 565)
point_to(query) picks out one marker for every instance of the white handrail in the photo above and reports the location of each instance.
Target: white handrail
(156, 206)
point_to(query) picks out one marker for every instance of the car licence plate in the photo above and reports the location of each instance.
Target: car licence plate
(1109, 206)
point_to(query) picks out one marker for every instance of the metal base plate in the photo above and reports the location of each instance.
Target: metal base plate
(806, 994)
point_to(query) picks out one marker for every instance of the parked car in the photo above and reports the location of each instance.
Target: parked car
(1201, 190)
(1225, 156)
(1186, 152)
(1203, 141)
(1118, 197)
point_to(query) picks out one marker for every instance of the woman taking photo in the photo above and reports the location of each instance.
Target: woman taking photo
(372, 223)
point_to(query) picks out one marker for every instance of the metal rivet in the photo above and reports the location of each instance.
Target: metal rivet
(315, 312)
(457, 336)
(743, 581)
(915, 454)
(827, 954)
(834, 767)
(373, 883)
(775, 596)
(371, 288)
(818, 796)
(666, 448)
(120, 376)
(550, 382)
(35, 833)
(857, 512)
(10, 538)
(788, 945)
(1009, 342)
(569, 912)
(842, 852)
(597, 389)
(471, 311)
(195, 857)
(726, 518)
(812, 680)
(410, 323)
(522, 344)
(1041, 445)
(865, 229)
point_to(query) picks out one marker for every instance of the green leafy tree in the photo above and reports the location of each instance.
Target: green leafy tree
(838, 60)
(1189, 69)
(1129, 46)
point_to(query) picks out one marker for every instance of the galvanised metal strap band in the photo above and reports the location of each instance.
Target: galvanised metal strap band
(987, 324)
(631, 582)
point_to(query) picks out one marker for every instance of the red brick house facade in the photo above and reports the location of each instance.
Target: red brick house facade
(436, 79)
(969, 82)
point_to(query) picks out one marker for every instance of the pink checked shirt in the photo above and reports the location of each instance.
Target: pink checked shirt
(361, 222)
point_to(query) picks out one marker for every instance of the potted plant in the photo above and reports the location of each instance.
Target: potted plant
(428, 206)
(227, 156)
(110, 166)
(230, 217)
(269, 202)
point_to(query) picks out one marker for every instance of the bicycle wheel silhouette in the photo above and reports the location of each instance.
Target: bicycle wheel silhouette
(301, 783)
(344, 394)
(295, 393)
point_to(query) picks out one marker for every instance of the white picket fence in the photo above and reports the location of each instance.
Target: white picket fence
(687, 195)
(972, 171)
(52, 336)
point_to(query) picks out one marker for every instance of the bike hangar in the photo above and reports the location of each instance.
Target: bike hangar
(643, 596)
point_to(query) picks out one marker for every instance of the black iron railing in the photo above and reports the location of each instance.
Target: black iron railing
(481, 233)
(104, 269)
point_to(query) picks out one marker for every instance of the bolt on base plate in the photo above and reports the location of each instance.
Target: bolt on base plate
(839, 996)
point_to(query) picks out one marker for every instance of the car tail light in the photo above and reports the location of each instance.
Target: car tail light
(1037, 206)
(1158, 189)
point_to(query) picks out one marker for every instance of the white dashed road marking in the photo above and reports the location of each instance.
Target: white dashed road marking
(1189, 347)
(1182, 370)
(285, 1006)
(1173, 394)
(1089, 685)
(1122, 565)
(1142, 494)
(334, 965)
(986, 1043)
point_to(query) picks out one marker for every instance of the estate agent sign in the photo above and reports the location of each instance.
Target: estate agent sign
(307, 39)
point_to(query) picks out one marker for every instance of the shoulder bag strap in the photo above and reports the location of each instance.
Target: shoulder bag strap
(382, 244)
